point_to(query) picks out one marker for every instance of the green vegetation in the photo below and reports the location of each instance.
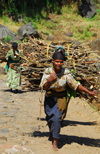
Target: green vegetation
(35, 9)
(5, 19)
(51, 17)
(6, 39)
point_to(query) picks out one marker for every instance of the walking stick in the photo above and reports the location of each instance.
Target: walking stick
(41, 100)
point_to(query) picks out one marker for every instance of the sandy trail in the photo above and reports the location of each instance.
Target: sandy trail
(19, 131)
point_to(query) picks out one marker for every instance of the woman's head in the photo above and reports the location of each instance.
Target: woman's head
(62, 50)
(14, 45)
(57, 59)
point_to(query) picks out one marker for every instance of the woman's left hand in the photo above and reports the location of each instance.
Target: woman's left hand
(11, 65)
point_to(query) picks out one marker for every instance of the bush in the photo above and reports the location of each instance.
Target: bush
(8, 38)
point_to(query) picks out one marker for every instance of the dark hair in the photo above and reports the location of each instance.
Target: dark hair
(14, 44)
(58, 55)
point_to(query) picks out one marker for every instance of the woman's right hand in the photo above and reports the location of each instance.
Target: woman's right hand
(49, 81)
(52, 77)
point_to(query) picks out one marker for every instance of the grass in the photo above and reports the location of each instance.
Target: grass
(68, 20)
(9, 23)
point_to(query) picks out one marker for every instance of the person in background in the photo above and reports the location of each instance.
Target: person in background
(13, 67)
(55, 81)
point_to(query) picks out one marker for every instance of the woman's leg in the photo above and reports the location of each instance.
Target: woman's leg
(55, 144)
(53, 117)
(55, 128)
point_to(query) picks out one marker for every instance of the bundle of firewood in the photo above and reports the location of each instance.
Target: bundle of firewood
(38, 56)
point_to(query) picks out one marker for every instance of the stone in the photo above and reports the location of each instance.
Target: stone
(5, 32)
(88, 9)
(26, 30)
(69, 34)
(3, 138)
(76, 44)
(2, 71)
(98, 66)
(81, 30)
(95, 45)
(4, 130)
(94, 34)
(50, 38)
(3, 113)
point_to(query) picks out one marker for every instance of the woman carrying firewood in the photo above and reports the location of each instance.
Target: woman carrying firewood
(13, 67)
(55, 81)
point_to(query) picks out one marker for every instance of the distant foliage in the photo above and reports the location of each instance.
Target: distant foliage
(29, 8)
(34, 9)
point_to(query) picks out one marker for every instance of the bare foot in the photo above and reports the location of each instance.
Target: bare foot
(55, 147)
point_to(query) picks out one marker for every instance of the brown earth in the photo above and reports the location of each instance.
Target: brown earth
(22, 133)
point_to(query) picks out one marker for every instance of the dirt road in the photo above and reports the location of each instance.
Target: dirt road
(19, 125)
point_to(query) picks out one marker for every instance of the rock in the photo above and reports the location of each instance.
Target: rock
(3, 113)
(94, 34)
(4, 130)
(26, 30)
(69, 34)
(76, 43)
(81, 30)
(98, 67)
(2, 70)
(50, 38)
(88, 9)
(95, 45)
(94, 57)
(3, 138)
(7, 34)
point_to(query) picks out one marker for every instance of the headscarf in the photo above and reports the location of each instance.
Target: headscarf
(58, 55)
(61, 49)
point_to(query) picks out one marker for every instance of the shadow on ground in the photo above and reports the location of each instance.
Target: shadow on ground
(72, 123)
(69, 139)
(14, 91)
(75, 123)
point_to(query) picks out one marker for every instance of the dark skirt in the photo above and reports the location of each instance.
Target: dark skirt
(53, 116)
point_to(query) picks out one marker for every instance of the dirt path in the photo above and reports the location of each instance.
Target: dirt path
(19, 131)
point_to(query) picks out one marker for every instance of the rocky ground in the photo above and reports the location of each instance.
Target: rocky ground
(21, 132)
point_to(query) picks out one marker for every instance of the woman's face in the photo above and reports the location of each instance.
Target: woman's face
(57, 65)
(14, 48)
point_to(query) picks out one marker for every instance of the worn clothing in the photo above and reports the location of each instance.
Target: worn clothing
(13, 76)
(54, 105)
(53, 116)
(64, 78)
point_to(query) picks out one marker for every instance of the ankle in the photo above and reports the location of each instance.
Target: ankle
(55, 141)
